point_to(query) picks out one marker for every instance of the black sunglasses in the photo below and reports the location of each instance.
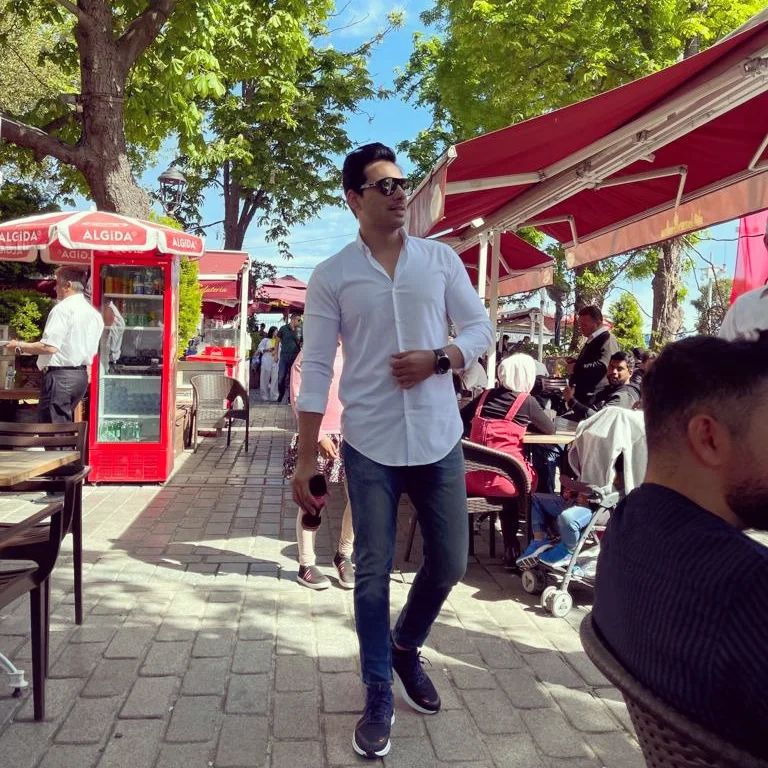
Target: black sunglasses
(388, 185)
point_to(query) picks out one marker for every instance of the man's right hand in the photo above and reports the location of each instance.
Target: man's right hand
(301, 494)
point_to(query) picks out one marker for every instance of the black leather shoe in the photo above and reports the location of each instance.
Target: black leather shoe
(371, 736)
(413, 682)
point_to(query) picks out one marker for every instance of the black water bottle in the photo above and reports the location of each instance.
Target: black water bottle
(319, 489)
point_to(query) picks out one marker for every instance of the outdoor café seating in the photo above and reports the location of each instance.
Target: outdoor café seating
(213, 404)
(67, 480)
(667, 738)
(478, 457)
(18, 577)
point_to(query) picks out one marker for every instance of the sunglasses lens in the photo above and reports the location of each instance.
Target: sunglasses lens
(387, 186)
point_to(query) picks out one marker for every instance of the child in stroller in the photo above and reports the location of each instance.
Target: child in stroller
(609, 455)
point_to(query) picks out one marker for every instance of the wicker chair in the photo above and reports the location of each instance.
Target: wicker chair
(67, 480)
(213, 399)
(478, 457)
(667, 738)
(19, 577)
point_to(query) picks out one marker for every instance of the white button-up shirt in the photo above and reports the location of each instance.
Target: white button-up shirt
(74, 327)
(746, 316)
(351, 295)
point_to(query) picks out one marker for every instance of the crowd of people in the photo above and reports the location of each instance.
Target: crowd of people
(690, 632)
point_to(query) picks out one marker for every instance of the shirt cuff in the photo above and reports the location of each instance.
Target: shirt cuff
(310, 402)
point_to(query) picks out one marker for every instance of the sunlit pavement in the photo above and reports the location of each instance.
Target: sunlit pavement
(199, 649)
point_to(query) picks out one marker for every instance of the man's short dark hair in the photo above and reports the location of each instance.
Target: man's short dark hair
(355, 163)
(703, 374)
(593, 312)
(624, 357)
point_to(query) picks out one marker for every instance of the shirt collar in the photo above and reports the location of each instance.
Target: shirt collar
(367, 251)
(596, 333)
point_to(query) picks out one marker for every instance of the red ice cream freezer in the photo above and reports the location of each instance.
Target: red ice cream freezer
(133, 391)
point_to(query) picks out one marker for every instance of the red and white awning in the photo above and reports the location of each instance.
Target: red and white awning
(675, 151)
(71, 238)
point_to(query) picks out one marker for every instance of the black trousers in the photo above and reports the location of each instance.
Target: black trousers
(63, 389)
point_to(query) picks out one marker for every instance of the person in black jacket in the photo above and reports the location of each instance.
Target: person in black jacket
(622, 390)
(591, 366)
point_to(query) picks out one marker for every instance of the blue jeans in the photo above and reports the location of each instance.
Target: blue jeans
(439, 496)
(284, 366)
(570, 520)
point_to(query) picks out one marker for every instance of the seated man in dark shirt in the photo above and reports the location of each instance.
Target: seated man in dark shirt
(682, 592)
(621, 391)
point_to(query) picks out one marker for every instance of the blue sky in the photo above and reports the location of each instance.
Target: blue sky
(391, 122)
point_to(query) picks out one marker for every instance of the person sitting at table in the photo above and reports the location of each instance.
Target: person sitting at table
(621, 391)
(607, 454)
(498, 419)
(681, 597)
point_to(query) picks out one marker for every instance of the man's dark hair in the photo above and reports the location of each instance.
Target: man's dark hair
(593, 312)
(703, 374)
(355, 163)
(624, 357)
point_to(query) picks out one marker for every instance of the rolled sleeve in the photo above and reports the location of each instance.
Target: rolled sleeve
(467, 312)
(322, 319)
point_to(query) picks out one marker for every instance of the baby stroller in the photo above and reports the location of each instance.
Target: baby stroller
(609, 456)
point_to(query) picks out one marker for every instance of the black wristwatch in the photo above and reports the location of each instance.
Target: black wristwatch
(442, 361)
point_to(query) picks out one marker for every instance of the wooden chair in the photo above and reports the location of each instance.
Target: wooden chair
(478, 457)
(667, 738)
(69, 480)
(213, 403)
(18, 577)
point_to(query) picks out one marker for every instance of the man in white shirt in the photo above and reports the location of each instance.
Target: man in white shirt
(390, 298)
(70, 340)
(747, 316)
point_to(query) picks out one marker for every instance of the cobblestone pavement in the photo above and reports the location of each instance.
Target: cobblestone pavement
(199, 649)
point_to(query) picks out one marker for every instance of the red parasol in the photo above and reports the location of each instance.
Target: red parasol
(70, 238)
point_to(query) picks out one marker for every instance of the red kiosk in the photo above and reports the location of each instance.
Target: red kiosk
(135, 276)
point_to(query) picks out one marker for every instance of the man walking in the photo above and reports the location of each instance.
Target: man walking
(70, 341)
(289, 349)
(390, 298)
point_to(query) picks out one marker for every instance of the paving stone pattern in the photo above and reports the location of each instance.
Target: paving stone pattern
(200, 650)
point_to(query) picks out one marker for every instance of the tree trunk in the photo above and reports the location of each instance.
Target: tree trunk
(105, 158)
(667, 313)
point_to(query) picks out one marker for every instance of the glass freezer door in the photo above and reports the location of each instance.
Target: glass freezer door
(131, 354)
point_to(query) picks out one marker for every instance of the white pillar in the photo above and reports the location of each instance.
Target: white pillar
(494, 306)
(244, 369)
(482, 265)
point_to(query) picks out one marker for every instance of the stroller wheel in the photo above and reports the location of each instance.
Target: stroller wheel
(533, 581)
(546, 598)
(561, 605)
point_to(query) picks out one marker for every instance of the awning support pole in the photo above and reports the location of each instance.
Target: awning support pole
(482, 266)
(494, 305)
(245, 364)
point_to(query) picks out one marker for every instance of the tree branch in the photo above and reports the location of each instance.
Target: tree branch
(41, 143)
(60, 122)
(82, 17)
(144, 29)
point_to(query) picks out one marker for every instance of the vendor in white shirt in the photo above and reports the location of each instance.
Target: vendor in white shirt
(390, 298)
(70, 341)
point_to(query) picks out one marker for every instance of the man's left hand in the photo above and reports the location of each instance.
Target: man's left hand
(568, 394)
(409, 368)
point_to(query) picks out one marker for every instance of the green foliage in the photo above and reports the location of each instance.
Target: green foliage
(494, 62)
(190, 303)
(711, 305)
(16, 200)
(627, 322)
(25, 311)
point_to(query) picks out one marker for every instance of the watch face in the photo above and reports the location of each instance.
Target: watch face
(444, 364)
